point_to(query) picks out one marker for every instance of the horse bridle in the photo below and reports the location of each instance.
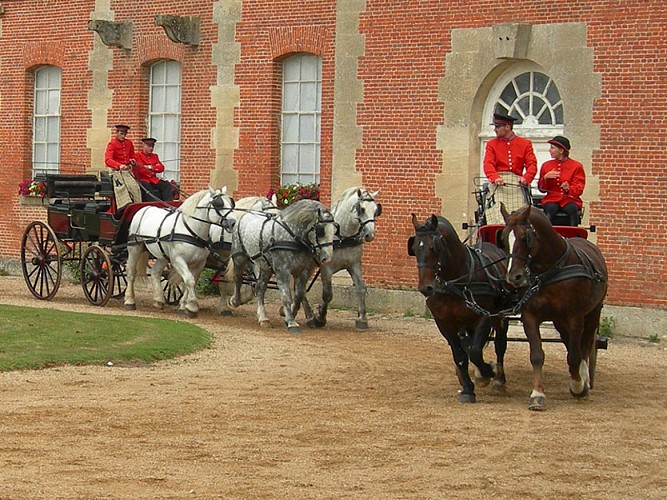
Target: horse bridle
(319, 230)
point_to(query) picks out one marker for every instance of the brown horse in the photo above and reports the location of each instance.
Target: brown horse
(565, 281)
(463, 286)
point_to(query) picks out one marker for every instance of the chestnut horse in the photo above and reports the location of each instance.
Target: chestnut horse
(565, 281)
(463, 287)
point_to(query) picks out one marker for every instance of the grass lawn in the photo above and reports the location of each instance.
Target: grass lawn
(33, 338)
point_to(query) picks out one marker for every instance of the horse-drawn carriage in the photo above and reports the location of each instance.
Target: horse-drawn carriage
(84, 227)
(526, 269)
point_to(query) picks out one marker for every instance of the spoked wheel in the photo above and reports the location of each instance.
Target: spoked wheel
(119, 278)
(40, 260)
(172, 293)
(97, 275)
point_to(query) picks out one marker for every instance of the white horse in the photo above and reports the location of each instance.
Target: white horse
(292, 244)
(179, 237)
(355, 213)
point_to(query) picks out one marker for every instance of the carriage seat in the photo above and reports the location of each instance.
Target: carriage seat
(561, 218)
(71, 186)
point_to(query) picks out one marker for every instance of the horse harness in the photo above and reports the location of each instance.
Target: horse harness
(356, 239)
(192, 238)
(298, 244)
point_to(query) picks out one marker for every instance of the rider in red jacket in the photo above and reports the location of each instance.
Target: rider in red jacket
(563, 179)
(147, 165)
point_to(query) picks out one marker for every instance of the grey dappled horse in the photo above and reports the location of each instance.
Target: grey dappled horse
(178, 237)
(292, 244)
(355, 212)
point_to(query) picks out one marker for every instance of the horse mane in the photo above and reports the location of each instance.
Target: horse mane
(189, 206)
(428, 227)
(347, 195)
(302, 214)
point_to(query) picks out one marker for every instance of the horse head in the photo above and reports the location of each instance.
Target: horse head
(322, 234)
(531, 244)
(223, 207)
(425, 245)
(356, 212)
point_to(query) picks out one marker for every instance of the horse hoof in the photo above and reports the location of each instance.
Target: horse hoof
(537, 403)
(467, 398)
(187, 313)
(498, 388)
(582, 395)
(131, 307)
(361, 325)
(265, 323)
(231, 304)
(294, 329)
(316, 323)
(482, 381)
(226, 313)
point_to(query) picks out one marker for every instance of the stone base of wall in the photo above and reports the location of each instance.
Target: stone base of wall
(635, 322)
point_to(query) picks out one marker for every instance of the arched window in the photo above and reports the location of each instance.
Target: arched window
(46, 120)
(301, 119)
(528, 94)
(164, 115)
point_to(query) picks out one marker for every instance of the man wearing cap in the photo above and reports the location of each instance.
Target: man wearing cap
(563, 179)
(510, 165)
(119, 158)
(147, 164)
(120, 150)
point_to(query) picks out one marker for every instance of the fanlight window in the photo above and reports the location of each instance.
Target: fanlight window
(301, 119)
(46, 120)
(533, 98)
(164, 115)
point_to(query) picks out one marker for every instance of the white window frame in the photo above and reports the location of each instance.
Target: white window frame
(46, 120)
(164, 115)
(529, 127)
(301, 118)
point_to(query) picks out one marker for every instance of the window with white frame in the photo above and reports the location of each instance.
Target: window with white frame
(46, 120)
(531, 96)
(164, 115)
(301, 119)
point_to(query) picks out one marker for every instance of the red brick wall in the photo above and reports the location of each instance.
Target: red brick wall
(399, 114)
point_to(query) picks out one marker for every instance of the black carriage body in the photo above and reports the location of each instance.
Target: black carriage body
(81, 208)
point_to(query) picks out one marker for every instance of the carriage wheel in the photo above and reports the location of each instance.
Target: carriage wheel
(97, 275)
(119, 278)
(40, 260)
(172, 293)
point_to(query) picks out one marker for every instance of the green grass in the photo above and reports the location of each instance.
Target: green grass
(38, 338)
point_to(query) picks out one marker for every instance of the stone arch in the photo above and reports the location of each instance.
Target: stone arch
(479, 56)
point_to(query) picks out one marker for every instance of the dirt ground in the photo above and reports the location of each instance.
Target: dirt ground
(328, 413)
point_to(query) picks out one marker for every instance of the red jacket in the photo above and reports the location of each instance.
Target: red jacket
(515, 155)
(118, 153)
(147, 166)
(570, 171)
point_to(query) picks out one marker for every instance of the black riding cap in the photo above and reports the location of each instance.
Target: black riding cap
(561, 142)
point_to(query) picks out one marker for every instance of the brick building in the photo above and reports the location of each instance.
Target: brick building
(391, 95)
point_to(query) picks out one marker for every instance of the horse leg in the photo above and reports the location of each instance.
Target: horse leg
(531, 327)
(467, 394)
(283, 279)
(130, 302)
(588, 340)
(476, 352)
(260, 288)
(355, 272)
(576, 362)
(320, 319)
(188, 304)
(500, 325)
(238, 264)
(156, 281)
(300, 284)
